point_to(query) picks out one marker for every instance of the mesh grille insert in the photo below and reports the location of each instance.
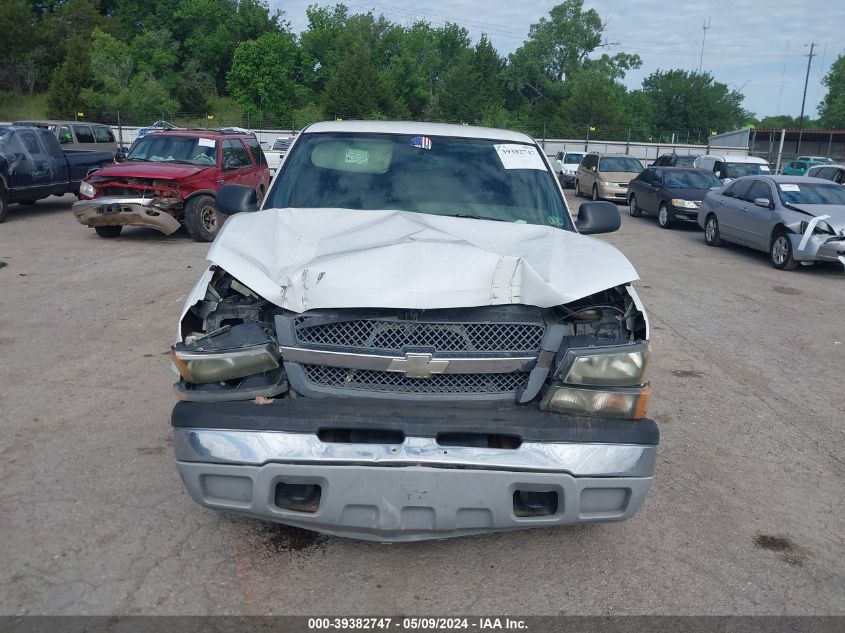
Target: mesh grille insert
(394, 336)
(369, 380)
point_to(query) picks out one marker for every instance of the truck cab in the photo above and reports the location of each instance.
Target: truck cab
(411, 338)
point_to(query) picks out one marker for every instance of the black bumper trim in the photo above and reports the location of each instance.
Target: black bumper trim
(310, 415)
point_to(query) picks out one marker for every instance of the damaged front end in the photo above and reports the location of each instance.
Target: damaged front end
(818, 239)
(496, 417)
(129, 202)
(235, 345)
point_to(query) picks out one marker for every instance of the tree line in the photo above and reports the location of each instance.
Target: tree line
(148, 58)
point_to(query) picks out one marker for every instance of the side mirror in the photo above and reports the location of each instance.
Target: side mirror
(598, 217)
(232, 163)
(593, 168)
(763, 202)
(120, 155)
(232, 199)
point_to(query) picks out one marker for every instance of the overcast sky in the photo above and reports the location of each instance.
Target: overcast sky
(757, 46)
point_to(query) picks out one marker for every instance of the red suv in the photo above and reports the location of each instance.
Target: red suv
(170, 179)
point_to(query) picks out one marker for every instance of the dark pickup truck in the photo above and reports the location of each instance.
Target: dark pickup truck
(33, 166)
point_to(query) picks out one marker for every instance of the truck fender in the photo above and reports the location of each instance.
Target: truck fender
(201, 192)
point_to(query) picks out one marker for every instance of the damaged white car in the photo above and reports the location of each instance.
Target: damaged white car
(797, 220)
(412, 339)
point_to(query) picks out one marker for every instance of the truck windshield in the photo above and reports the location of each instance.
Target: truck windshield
(175, 149)
(437, 175)
(572, 159)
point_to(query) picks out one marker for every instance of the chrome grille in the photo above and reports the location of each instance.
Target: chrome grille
(368, 380)
(395, 336)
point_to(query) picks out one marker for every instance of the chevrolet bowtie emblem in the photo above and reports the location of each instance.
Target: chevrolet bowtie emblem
(416, 365)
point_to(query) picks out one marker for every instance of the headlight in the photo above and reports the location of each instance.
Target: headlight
(87, 189)
(821, 228)
(683, 204)
(203, 367)
(629, 404)
(605, 367)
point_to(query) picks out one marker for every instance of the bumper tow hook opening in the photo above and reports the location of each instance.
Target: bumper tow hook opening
(535, 503)
(298, 497)
(360, 436)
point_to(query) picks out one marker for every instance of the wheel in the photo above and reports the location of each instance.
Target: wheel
(259, 195)
(577, 189)
(4, 204)
(108, 231)
(711, 231)
(595, 193)
(202, 219)
(633, 209)
(663, 219)
(781, 252)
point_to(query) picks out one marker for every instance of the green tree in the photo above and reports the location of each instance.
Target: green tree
(557, 49)
(472, 88)
(211, 30)
(691, 101)
(358, 91)
(74, 74)
(832, 107)
(262, 78)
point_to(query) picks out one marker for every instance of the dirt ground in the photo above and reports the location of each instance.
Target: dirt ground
(745, 517)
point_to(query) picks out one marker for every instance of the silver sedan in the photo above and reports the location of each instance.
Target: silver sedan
(797, 220)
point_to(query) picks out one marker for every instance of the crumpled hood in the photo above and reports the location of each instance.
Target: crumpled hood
(301, 259)
(151, 169)
(835, 211)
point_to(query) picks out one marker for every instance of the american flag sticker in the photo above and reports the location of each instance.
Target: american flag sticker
(423, 142)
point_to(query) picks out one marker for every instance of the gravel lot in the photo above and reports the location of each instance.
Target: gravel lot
(745, 516)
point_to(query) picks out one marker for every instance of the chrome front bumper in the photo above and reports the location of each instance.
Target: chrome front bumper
(119, 211)
(413, 490)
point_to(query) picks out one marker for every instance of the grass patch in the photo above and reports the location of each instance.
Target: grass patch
(16, 106)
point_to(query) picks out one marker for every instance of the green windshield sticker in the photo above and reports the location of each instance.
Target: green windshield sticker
(357, 156)
(553, 220)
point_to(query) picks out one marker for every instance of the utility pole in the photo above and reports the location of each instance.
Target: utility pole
(804, 100)
(704, 28)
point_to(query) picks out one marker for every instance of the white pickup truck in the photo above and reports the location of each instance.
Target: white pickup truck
(413, 339)
(276, 154)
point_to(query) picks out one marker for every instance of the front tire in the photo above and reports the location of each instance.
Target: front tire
(202, 219)
(664, 221)
(633, 209)
(712, 237)
(577, 189)
(780, 252)
(108, 231)
(595, 193)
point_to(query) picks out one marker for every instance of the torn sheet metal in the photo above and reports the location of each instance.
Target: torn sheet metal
(301, 259)
(811, 226)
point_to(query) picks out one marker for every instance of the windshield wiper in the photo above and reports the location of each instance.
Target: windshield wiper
(476, 217)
